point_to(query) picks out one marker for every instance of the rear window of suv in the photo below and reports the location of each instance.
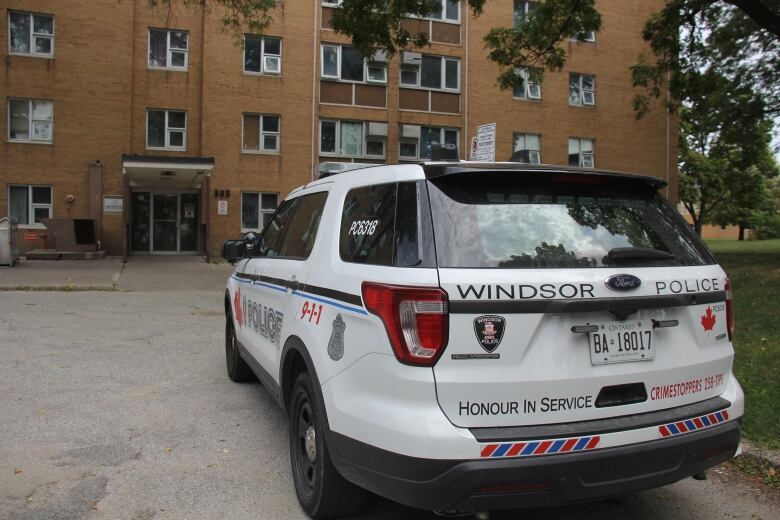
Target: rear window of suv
(536, 221)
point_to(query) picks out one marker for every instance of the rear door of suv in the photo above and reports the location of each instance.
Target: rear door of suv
(572, 297)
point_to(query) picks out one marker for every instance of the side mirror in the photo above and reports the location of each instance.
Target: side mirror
(233, 250)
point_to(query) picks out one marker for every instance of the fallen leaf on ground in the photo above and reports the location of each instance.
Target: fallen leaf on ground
(17, 471)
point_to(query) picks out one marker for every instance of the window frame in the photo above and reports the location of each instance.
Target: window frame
(527, 85)
(263, 71)
(168, 50)
(167, 130)
(30, 121)
(366, 65)
(592, 153)
(260, 211)
(516, 21)
(31, 41)
(418, 71)
(525, 135)
(581, 90)
(262, 133)
(418, 140)
(31, 206)
(589, 38)
(365, 139)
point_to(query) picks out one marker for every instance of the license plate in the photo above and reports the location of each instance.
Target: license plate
(622, 341)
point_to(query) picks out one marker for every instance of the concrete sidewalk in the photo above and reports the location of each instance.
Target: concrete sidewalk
(142, 273)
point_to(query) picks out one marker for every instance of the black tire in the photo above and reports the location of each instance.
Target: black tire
(321, 491)
(237, 369)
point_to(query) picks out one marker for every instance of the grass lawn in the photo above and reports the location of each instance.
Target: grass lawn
(754, 270)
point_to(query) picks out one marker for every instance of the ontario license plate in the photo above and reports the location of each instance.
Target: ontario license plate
(622, 341)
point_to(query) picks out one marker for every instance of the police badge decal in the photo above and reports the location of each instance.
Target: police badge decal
(489, 331)
(336, 343)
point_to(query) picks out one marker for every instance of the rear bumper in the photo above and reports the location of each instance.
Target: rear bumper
(531, 482)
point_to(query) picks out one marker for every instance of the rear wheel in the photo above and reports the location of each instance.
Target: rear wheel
(237, 369)
(321, 491)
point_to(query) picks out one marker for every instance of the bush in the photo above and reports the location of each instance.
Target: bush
(765, 225)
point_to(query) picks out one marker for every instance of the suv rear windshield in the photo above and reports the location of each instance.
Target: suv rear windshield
(541, 220)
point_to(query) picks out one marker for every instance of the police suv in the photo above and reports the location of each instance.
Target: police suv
(458, 336)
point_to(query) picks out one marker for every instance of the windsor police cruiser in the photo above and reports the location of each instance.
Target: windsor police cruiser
(465, 337)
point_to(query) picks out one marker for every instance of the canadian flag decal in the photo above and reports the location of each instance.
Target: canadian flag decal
(708, 320)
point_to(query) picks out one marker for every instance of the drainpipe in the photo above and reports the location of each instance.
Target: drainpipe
(465, 137)
(315, 39)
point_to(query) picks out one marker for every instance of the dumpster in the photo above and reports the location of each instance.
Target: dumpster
(9, 249)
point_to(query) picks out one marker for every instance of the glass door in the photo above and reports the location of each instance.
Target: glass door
(165, 212)
(140, 217)
(188, 228)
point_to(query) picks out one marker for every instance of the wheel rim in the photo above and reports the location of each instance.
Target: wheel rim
(306, 456)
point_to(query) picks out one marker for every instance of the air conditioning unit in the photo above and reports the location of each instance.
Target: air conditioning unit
(379, 57)
(377, 129)
(410, 131)
(412, 58)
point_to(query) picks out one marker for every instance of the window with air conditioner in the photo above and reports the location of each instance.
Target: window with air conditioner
(353, 138)
(345, 63)
(415, 141)
(430, 72)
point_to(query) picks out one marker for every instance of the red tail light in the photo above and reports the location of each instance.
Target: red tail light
(729, 310)
(415, 319)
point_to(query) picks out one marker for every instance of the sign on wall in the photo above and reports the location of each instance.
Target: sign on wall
(222, 207)
(483, 147)
(113, 204)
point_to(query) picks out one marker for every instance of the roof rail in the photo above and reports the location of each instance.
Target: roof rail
(326, 169)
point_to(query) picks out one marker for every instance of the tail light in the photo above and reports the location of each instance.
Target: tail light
(729, 310)
(415, 319)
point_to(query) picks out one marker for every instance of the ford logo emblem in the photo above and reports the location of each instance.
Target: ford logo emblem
(623, 282)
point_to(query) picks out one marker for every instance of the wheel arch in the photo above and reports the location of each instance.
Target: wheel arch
(294, 360)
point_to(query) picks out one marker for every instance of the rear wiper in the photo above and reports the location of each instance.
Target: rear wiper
(616, 254)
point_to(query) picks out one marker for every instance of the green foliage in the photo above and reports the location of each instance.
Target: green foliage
(765, 225)
(237, 16)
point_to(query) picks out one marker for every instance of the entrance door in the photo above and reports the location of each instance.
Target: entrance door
(163, 222)
(165, 211)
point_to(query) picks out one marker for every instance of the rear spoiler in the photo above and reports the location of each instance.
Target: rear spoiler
(436, 170)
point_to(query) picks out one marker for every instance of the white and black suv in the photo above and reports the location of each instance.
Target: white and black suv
(459, 336)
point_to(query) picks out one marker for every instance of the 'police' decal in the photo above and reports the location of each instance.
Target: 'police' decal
(489, 331)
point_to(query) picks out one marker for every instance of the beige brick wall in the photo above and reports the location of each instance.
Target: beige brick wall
(102, 87)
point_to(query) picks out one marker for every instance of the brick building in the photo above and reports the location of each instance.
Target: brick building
(173, 135)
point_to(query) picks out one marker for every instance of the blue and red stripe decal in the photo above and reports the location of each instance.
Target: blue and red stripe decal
(690, 425)
(541, 447)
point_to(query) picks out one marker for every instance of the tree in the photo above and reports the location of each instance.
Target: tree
(724, 162)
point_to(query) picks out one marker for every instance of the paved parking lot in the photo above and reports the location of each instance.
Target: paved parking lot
(116, 405)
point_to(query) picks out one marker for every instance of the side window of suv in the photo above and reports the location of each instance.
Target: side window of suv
(297, 240)
(273, 232)
(368, 225)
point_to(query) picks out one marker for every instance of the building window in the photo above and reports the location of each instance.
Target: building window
(29, 204)
(331, 3)
(415, 141)
(448, 10)
(581, 152)
(526, 148)
(527, 89)
(257, 210)
(31, 34)
(582, 90)
(430, 72)
(353, 138)
(345, 63)
(30, 120)
(262, 55)
(168, 49)
(522, 9)
(166, 129)
(589, 37)
(261, 133)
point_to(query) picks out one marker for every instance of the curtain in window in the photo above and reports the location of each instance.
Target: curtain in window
(19, 113)
(20, 32)
(251, 132)
(252, 52)
(158, 52)
(351, 138)
(250, 211)
(156, 129)
(18, 206)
